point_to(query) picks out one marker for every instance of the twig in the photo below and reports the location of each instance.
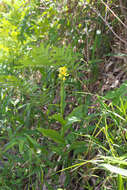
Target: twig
(115, 34)
(114, 14)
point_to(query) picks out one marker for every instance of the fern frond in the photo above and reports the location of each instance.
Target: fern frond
(49, 56)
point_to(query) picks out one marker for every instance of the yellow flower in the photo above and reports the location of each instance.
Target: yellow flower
(63, 73)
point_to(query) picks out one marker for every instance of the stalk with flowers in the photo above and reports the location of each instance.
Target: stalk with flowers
(62, 76)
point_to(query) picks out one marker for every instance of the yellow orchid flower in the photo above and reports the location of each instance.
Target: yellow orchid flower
(63, 73)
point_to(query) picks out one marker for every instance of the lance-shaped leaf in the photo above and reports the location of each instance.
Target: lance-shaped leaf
(52, 134)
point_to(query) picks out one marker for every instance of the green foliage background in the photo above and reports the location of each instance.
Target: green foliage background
(55, 133)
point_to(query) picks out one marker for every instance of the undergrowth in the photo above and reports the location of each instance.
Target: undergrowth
(58, 129)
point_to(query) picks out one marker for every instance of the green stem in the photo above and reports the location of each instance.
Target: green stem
(62, 96)
(62, 104)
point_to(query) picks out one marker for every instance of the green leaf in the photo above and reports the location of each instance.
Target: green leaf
(21, 146)
(115, 94)
(120, 160)
(10, 144)
(72, 120)
(52, 134)
(78, 147)
(88, 1)
(58, 118)
(115, 169)
(77, 112)
(32, 142)
(120, 183)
